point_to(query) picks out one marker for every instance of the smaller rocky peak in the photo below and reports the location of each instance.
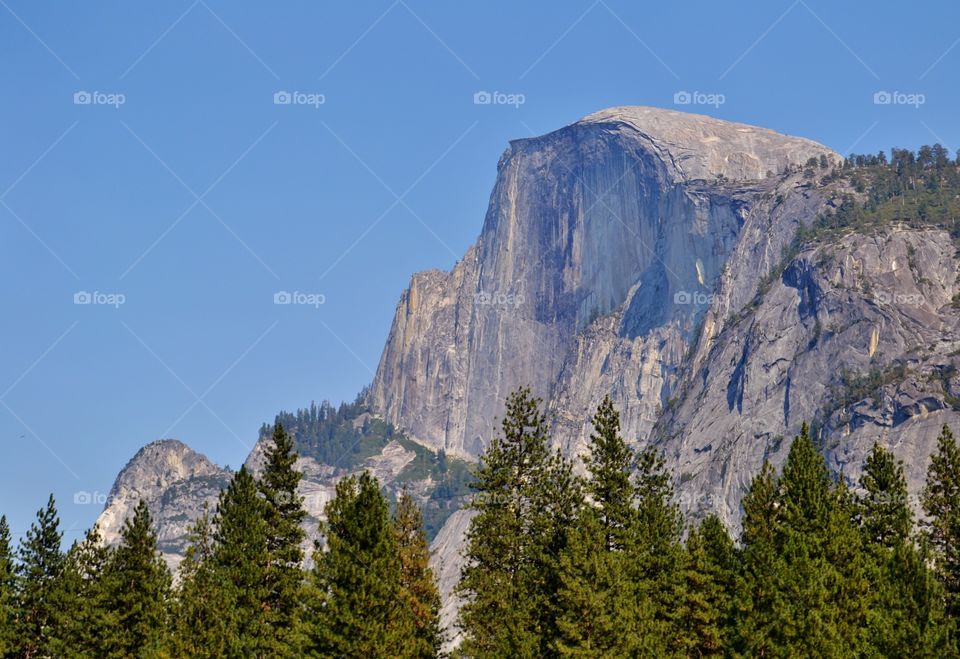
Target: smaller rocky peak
(173, 479)
(160, 464)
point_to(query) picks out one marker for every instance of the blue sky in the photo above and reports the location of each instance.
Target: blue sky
(145, 160)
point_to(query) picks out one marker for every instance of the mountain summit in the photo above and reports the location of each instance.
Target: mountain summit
(604, 224)
(722, 283)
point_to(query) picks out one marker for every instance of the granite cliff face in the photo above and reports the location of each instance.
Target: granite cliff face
(640, 253)
(860, 336)
(600, 249)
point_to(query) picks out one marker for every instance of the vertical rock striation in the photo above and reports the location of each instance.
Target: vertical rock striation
(600, 249)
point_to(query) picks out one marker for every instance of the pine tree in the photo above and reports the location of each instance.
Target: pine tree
(199, 628)
(906, 616)
(40, 565)
(240, 562)
(284, 514)
(815, 546)
(655, 549)
(845, 550)
(805, 589)
(138, 585)
(84, 619)
(759, 582)
(704, 612)
(600, 613)
(600, 610)
(701, 611)
(609, 464)
(8, 593)
(941, 503)
(419, 595)
(883, 511)
(356, 581)
(526, 498)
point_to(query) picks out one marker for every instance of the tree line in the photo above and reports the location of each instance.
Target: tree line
(242, 589)
(604, 566)
(555, 564)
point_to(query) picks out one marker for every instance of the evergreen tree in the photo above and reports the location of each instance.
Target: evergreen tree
(138, 585)
(526, 499)
(702, 610)
(85, 620)
(758, 586)
(357, 610)
(199, 628)
(822, 601)
(240, 562)
(941, 503)
(609, 464)
(705, 609)
(40, 565)
(284, 514)
(420, 598)
(601, 611)
(804, 566)
(8, 593)
(655, 550)
(907, 616)
(884, 512)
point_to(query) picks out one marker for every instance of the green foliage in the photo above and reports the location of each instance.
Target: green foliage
(345, 436)
(941, 504)
(138, 590)
(703, 611)
(609, 463)
(913, 189)
(284, 514)
(240, 561)
(38, 569)
(600, 610)
(419, 597)
(804, 588)
(884, 510)
(525, 501)
(554, 565)
(356, 610)
(86, 623)
(199, 623)
(339, 436)
(8, 593)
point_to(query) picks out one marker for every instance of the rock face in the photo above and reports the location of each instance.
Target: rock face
(633, 254)
(601, 245)
(860, 335)
(175, 481)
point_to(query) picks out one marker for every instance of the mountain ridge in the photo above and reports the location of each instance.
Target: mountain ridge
(614, 260)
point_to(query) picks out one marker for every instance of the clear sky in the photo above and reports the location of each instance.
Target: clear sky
(144, 159)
